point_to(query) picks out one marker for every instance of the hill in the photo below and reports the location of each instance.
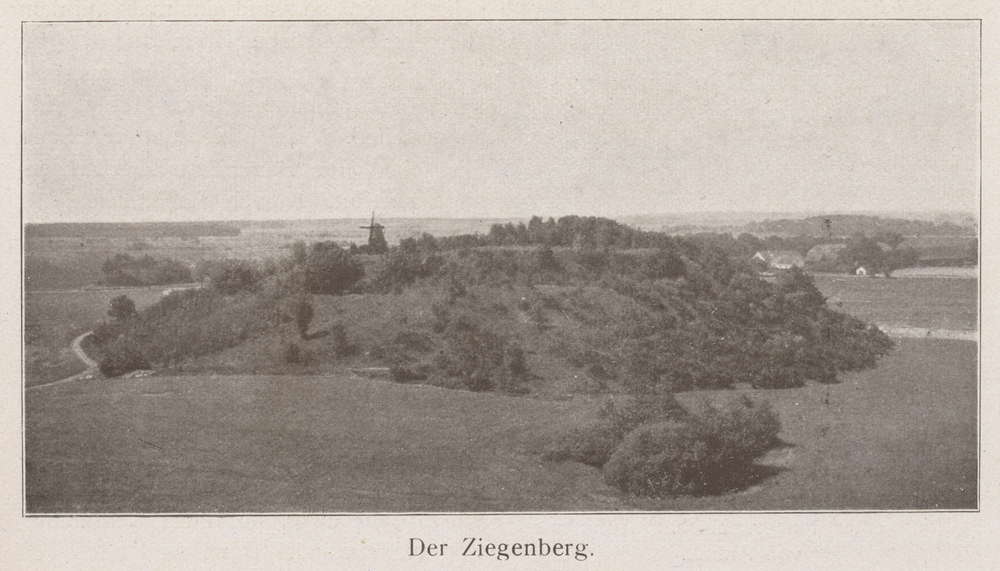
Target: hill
(674, 317)
(634, 316)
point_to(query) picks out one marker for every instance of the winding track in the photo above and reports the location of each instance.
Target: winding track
(91, 364)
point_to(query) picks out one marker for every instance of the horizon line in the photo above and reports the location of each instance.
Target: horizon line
(693, 213)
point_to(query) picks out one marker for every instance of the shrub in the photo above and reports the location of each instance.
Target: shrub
(628, 413)
(412, 341)
(106, 332)
(485, 360)
(121, 308)
(546, 260)
(302, 311)
(342, 347)
(120, 359)
(329, 270)
(710, 451)
(403, 267)
(299, 253)
(594, 441)
(658, 459)
(292, 354)
(230, 277)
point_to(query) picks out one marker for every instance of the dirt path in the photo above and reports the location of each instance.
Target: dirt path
(91, 364)
(91, 372)
(925, 333)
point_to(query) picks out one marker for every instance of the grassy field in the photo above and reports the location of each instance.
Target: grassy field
(902, 436)
(933, 303)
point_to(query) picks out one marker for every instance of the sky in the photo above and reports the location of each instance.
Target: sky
(232, 121)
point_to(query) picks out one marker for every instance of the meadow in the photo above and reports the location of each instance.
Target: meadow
(919, 302)
(900, 437)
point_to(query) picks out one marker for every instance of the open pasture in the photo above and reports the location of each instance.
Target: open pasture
(902, 436)
(930, 303)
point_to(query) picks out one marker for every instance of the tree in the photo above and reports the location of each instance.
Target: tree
(303, 312)
(749, 244)
(864, 252)
(121, 308)
(299, 253)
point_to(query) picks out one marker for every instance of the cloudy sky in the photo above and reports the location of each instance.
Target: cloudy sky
(214, 121)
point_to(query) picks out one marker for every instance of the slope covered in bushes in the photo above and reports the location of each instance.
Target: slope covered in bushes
(675, 317)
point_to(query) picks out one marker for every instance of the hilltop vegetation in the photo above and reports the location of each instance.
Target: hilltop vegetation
(677, 316)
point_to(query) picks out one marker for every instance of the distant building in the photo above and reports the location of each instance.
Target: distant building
(824, 253)
(780, 259)
(861, 271)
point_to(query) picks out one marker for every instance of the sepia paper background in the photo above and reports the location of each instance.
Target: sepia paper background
(661, 541)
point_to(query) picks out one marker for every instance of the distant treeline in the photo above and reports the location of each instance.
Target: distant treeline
(130, 230)
(855, 225)
(585, 232)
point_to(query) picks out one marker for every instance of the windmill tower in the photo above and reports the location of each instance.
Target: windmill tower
(376, 239)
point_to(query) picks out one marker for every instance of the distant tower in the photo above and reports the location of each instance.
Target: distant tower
(828, 227)
(376, 239)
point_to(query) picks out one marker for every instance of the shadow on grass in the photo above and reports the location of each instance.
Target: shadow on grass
(721, 480)
(731, 480)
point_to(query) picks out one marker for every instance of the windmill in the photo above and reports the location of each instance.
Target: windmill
(376, 239)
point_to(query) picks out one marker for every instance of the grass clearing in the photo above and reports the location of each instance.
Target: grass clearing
(902, 436)
(931, 303)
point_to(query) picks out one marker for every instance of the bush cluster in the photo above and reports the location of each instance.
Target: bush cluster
(123, 270)
(709, 451)
(485, 360)
(235, 276)
(594, 441)
(663, 316)
(291, 353)
(701, 333)
(188, 324)
(401, 268)
(330, 270)
(121, 359)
